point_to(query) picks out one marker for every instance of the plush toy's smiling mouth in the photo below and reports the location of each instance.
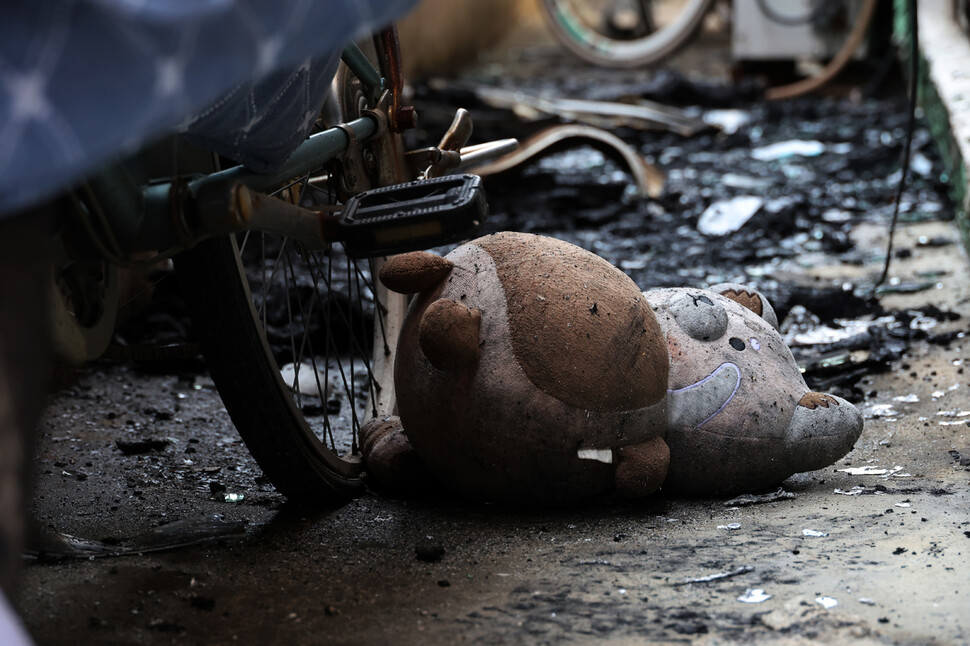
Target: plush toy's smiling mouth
(695, 405)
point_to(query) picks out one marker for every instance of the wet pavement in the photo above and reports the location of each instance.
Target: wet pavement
(178, 538)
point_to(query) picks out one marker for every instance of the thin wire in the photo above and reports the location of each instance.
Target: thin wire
(910, 127)
(144, 291)
(880, 73)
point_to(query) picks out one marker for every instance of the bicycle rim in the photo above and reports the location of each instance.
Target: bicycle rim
(580, 25)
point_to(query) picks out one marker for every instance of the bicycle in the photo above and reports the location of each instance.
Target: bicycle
(261, 259)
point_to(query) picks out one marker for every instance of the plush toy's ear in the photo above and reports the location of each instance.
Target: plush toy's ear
(411, 273)
(449, 334)
(750, 298)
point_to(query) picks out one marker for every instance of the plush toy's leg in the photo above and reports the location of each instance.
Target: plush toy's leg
(391, 460)
(641, 468)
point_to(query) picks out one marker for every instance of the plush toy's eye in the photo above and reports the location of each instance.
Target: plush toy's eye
(700, 316)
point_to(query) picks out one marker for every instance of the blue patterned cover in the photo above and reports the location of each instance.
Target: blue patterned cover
(84, 81)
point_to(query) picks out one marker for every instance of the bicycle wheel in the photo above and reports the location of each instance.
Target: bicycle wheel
(299, 343)
(620, 34)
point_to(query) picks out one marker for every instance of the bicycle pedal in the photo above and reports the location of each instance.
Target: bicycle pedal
(412, 216)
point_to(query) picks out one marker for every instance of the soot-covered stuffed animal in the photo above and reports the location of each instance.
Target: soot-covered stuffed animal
(530, 371)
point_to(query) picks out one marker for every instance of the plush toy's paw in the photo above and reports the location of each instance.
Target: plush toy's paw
(390, 459)
(749, 298)
(411, 273)
(641, 468)
(823, 429)
(449, 334)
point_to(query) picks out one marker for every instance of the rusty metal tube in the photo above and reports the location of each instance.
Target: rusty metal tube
(270, 215)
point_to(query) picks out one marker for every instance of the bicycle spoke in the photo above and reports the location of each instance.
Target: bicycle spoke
(363, 330)
(267, 283)
(360, 350)
(328, 427)
(290, 185)
(245, 241)
(262, 265)
(350, 330)
(289, 314)
(380, 311)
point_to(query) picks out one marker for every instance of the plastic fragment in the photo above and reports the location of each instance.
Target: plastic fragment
(865, 471)
(791, 148)
(907, 288)
(728, 121)
(730, 526)
(879, 410)
(600, 455)
(726, 216)
(746, 182)
(754, 595)
(921, 165)
(755, 499)
(854, 491)
(953, 413)
(895, 472)
(826, 602)
(744, 569)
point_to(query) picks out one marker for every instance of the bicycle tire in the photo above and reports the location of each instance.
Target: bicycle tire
(304, 456)
(589, 45)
